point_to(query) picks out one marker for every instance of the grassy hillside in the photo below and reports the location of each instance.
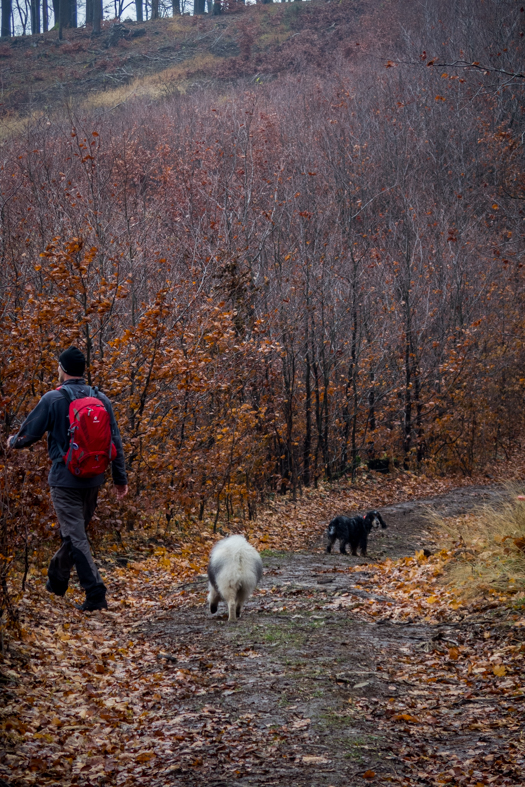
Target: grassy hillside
(40, 73)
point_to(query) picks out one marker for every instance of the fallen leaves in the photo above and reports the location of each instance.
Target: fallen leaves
(98, 699)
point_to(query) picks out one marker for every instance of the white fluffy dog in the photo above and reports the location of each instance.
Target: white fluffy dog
(234, 571)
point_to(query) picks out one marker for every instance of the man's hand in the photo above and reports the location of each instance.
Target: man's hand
(121, 491)
(9, 440)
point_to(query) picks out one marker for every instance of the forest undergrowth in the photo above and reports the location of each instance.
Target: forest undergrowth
(282, 283)
(282, 280)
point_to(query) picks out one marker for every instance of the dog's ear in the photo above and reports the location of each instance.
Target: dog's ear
(376, 518)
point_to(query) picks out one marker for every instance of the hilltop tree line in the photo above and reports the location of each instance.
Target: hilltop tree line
(282, 284)
(40, 16)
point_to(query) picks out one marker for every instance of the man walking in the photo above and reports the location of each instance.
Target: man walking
(73, 491)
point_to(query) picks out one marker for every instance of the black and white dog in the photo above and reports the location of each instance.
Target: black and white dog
(353, 531)
(234, 571)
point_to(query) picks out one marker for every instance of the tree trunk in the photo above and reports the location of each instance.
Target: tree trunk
(372, 404)
(355, 398)
(140, 10)
(97, 16)
(67, 15)
(198, 6)
(307, 447)
(318, 419)
(175, 5)
(217, 7)
(45, 16)
(325, 415)
(154, 9)
(419, 413)
(288, 464)
(35, 17)
(351, 399)
(7, 9)
(64, 15)
(89, 12)
(407, 426)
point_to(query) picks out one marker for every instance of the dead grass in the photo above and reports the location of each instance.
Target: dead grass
(14, 125)
(156, 86)
(488, 548)
(274, 38)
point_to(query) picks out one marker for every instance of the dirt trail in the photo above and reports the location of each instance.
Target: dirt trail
(300, 692)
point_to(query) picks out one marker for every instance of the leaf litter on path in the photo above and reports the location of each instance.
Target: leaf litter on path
(403, 681)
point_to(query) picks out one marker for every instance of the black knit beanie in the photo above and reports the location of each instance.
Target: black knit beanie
(72, 362)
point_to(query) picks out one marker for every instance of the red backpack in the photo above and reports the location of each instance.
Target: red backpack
(90, 446)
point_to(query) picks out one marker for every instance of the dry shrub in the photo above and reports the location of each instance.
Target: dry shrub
(5, 50)
(74, 46)
(489, 549)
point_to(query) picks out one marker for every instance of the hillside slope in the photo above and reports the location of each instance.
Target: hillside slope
(155, 58)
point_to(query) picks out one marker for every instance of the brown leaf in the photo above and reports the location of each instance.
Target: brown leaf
(406, 717)
(145, 756)
(300, 724)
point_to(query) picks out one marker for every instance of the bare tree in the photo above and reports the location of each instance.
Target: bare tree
(23, 15)
(35, 17)
(7, 11)
(97, 16)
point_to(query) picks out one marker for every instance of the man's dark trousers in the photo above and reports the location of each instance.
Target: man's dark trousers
(74, 509)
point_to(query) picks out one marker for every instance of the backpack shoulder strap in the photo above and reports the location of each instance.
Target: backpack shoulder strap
(69, 394)
(66, 394)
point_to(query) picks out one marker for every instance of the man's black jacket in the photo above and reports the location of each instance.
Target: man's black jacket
(51, 415)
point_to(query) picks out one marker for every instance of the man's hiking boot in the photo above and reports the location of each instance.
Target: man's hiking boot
(57, 591)
(92, 606)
